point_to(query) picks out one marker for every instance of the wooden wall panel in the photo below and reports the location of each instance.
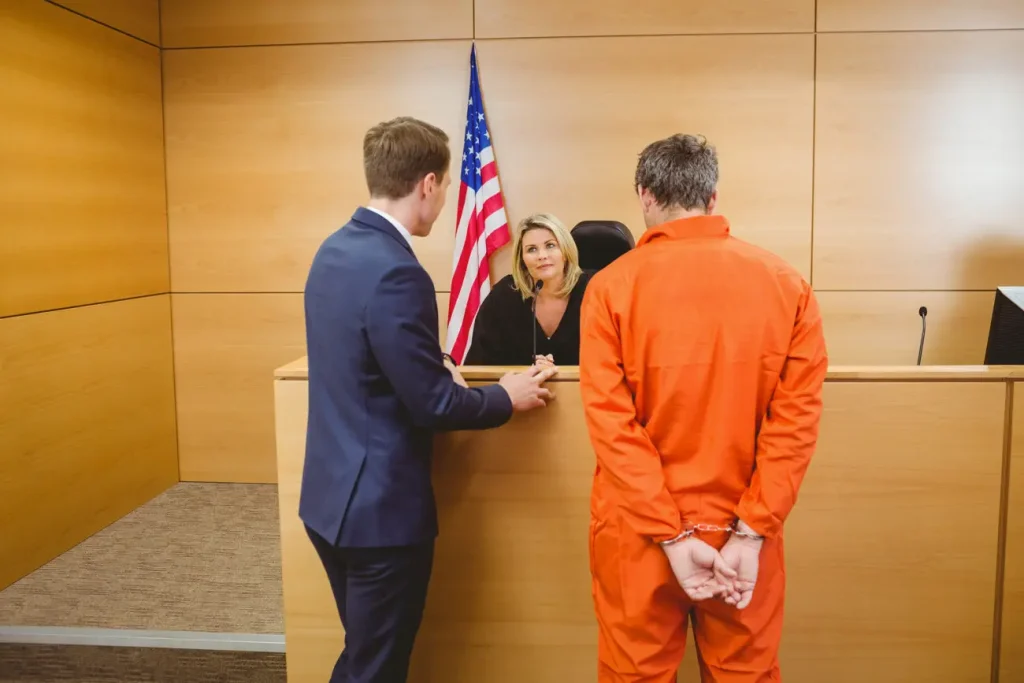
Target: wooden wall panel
(140, 18)
(226, 347)
(199, 23)
(919, 15)
(537, 18)
(86, 424)
(82, 204)
(569, 118)
(883, 328)
(1011, 660)
(930, 463)
(264, 153)
(919, 161)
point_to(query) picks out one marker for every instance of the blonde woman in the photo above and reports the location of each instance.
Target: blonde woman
(546, 275)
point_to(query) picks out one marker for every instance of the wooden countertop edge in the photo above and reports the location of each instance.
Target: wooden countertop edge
(841, 373)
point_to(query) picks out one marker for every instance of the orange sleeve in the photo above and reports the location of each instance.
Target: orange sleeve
(624, 451)
(789, 431)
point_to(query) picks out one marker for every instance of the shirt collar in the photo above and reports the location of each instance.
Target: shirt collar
(391, 219)
(687, 228)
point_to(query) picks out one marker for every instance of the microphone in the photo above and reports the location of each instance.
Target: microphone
(536, 290)
(923, 312)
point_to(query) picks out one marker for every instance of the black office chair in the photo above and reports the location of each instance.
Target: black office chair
(601, 242)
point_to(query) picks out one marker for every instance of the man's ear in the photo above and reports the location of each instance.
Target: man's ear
(712, 201)
(646, 199)
(427, 184)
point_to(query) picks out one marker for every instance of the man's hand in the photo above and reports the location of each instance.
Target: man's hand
(526, 388)
(742, 555)
(456, 375)
(700, 570)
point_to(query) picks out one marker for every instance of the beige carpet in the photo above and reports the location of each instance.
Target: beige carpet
(199, 557)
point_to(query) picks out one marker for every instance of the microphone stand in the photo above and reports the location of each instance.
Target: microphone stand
(923, 312)
(536, 291)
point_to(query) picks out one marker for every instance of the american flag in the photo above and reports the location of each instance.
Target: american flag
(481, 226)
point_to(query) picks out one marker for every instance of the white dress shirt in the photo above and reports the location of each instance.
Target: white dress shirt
(398, 226)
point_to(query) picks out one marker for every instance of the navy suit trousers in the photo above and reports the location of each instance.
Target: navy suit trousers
(380, 594)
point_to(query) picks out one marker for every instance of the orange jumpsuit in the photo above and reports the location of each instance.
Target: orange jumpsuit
(702, 361)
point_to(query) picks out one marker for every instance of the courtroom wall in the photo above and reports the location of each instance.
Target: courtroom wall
(875, 144)
(87, 425)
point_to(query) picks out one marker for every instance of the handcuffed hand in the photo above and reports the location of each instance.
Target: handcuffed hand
(742, 554)
(701, 570)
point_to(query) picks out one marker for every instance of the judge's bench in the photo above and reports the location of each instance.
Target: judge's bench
(905, 552)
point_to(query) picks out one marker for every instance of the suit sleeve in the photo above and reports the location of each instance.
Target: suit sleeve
(487, 346)
(789, 431)
(401, 325)
(624, 451)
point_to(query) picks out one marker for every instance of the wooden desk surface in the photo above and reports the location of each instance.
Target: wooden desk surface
(299, 369)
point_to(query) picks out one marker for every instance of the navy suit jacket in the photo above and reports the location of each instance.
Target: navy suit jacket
(378, 390)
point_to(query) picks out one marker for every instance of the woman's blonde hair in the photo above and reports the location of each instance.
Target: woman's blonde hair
(521, 274)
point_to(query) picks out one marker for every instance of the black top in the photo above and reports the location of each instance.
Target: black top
(503, 332)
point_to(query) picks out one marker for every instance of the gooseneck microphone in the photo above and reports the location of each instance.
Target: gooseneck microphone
(536, 291)
(923, 312)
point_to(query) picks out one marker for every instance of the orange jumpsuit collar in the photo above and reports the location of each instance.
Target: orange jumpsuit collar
(687, 228)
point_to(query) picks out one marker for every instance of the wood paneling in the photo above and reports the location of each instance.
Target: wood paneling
(140, 18)
(316, 644)
(569, 118)
(884, 328)
(510, 598)
(264, 153)
(889, 498)
(919, 161)
(226, 347)
(518, 610)
(82, 204)
(539, 625)
(197, 23)
(86, 424)
(535, 18)
(1011, 660)
(918, 15)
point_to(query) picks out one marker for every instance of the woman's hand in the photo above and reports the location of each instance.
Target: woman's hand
(542, 362)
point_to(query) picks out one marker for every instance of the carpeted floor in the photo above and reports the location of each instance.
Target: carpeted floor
(83, 664)
(199, 557)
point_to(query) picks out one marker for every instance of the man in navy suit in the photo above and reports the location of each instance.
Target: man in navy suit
(378, 390)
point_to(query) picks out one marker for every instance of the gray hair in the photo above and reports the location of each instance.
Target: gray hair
(681, 170)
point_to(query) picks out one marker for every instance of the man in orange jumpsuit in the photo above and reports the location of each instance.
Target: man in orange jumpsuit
(701, 366)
